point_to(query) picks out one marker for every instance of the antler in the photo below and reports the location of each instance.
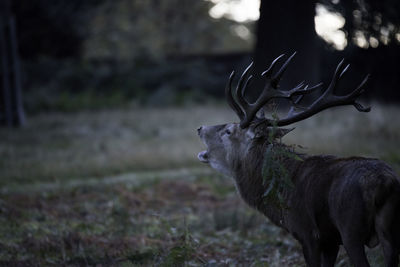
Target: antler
(247, 111)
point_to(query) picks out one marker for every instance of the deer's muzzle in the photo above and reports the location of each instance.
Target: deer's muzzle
(203, 156)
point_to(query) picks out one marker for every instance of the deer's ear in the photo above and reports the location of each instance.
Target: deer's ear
(278, 133)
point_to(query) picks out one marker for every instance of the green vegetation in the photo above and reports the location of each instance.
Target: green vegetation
(152, 52)
(275, 175)
(124, 188)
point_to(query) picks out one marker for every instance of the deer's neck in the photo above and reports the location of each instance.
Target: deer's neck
(254, 177)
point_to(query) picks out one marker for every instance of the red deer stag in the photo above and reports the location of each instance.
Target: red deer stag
(331, 201)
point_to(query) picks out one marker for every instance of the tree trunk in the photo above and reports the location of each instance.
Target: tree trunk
(11, 108)
(287, 26)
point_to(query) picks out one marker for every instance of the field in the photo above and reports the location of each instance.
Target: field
(123, 187)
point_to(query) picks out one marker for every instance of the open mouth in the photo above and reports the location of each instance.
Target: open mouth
(203, 156)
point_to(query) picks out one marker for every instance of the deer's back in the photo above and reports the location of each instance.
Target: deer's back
(332, 177)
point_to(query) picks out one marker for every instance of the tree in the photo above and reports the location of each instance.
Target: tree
(53, 29)
(129, 30)
(287, 26)
(376, 21)
(373, 36)
(11, 109)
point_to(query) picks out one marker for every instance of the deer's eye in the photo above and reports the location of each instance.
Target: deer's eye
(228, 132)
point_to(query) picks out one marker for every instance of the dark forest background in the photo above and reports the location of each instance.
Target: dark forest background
(87, 54)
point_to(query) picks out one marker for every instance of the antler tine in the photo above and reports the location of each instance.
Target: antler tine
(270, 92)
(359, 91)
(267, 73)
(349, 99)
(277, 77)
(231, 101)
(246, 86)
(340, 70)
(240, 88)
(296, 102)
(306, 90)
(326, 100)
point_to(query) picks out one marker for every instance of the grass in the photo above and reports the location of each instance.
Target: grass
(162, 222)
(59, 146)
(124, 188)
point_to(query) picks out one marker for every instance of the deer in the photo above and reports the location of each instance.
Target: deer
(332, 201)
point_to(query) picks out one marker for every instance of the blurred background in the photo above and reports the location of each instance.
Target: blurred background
(99, 105)
(99, 53)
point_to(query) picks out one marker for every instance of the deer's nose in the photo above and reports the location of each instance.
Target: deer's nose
(199, 129)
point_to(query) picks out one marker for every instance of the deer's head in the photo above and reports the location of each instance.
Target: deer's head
(228, 143)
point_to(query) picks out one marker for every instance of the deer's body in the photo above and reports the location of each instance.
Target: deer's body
(332, 198)
(332, 201)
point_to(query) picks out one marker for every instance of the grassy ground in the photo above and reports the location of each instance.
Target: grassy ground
(124, 188)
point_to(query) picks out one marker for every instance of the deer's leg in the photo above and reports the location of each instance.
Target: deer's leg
(390, 251)
(353, 237)
(329, 255)
(355, 251)
(386, 228)
(351, 216)
(312, 253)
(391, 254)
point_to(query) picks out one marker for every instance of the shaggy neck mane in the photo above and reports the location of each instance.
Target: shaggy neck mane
(250, 183)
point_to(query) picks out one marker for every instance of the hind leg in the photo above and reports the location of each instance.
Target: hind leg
(391, 254)
(353, 225)
(329, 255)
(386, 228)
(353, 238)
(386, 233)
(356, 253)
(312, 253)
(354, 233)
